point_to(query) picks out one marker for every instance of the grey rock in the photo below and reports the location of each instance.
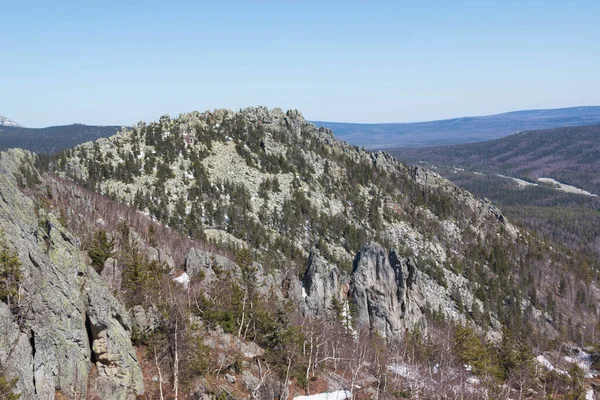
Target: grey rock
(67, 318)
(112, 273)
(202, 262)
(384, 292)
(322, 282)
(144, 321)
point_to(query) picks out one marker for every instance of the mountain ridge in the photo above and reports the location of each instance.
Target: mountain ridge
(462, 129)
(570, 155)
(52, 139)
(258, 255)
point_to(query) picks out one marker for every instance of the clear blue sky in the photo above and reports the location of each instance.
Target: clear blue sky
(108, 63)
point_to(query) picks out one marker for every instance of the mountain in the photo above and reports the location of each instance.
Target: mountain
(569, 155)
(460, 130)
(51, 139)
(258, 257)
(546, 179)
(7, 122)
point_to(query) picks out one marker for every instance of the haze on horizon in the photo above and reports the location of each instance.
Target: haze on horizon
(115, 64)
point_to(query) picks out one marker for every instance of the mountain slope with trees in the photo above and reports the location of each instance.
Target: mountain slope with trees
(259, 257)
(51, 139)
(567, 155)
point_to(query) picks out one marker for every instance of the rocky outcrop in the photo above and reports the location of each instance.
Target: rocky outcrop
(385, 293)
(322, 282)
(383, 290)
(208, 265)
(66, 319)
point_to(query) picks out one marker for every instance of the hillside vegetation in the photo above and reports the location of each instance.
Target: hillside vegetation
(568, 155)
(259, 257)
(51, 139)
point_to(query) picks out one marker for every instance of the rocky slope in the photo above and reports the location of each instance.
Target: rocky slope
(267, 259)
(269, 180)
(62, 331)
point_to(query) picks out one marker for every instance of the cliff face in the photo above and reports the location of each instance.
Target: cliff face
(386, 292)
(64, 332)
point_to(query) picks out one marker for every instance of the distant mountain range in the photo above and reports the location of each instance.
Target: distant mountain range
(570, 155)
(7, 122)
(460, 130)
(52, 139)
(507, 171)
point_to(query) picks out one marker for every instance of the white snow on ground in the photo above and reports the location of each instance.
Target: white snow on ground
(520, 182)
(337, 395)
(584, 361)
(304, 295)
(405, 371)
(548, 365)
(183, 279)
(589, 395)
(566, 188)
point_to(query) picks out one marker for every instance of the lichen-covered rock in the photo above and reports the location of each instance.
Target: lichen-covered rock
(66, 318)
(144, 321)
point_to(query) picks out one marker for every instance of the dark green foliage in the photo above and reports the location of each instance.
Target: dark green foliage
(52, 139)
(10, 275)
(141, 276)
(27, 175)
(7, 387)
(474, 351)
(101, 249)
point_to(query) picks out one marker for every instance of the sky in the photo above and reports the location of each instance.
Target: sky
(121, 62)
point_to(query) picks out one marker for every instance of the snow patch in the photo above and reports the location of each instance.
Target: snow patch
(589, 395)
(405, 371)
(563, 187)
(183, 279)
(583, 361)
(522, 183)
(548, 365)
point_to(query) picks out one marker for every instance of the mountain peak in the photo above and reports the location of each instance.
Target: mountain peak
(7, 122)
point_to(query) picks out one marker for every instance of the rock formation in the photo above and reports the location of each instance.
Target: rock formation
(384, 291)
(66, 333)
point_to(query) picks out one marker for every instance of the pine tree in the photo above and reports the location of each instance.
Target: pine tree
(101, 249)
(10, 275)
